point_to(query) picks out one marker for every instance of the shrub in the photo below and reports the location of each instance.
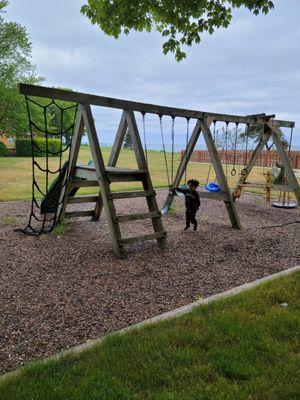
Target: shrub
(3, 150)
(24, 148)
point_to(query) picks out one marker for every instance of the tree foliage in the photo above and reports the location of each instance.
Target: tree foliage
(230, 139)
(15, 66)
(181, 23)
(52, 116)
(127, 141)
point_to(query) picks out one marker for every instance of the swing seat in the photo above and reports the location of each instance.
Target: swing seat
(285, 205)
(213, 187)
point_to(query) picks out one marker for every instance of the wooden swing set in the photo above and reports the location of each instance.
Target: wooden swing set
(102, 175)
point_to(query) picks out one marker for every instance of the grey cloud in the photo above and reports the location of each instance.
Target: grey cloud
(251, 67)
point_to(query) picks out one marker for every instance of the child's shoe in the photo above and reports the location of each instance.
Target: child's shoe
(186, 228)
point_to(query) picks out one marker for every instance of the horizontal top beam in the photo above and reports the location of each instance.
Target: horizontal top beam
(284, 124)
(84, 98)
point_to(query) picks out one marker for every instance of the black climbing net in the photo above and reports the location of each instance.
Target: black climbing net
(47, 122)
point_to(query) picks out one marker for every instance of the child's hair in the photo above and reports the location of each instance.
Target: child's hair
(193, 182)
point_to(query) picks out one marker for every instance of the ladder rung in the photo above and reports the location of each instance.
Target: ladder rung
(138, 193)
(151, 236)
(73, 214)
(252, 184)
(125, 175)
(128, 171)
(83, 199)
(126, 178)
(85, 183)
(133, 217)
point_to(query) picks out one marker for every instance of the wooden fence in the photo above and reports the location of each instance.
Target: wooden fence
(265, 159)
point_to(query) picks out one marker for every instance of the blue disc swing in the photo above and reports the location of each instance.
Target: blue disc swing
(213, 186)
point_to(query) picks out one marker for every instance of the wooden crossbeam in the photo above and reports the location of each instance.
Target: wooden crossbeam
(283, 124)
(84, 213)
(83, 199)
(137, 193)
(84, 98)
(138, 216)
(151, 236)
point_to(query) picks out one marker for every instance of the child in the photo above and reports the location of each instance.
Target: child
(192, 202)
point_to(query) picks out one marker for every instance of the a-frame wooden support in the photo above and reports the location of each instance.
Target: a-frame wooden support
(271, 130)
(292, 180)
(229, 203)
(70, 180)
(128, 122)
(259, 147)
(102, 176)
(203, 125)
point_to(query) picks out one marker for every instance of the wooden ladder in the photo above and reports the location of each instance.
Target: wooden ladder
(92, 198)
(126, 175)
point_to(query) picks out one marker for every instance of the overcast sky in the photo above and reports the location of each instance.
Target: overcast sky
(251, 67)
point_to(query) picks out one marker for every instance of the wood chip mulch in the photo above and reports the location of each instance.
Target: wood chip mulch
(57, 292)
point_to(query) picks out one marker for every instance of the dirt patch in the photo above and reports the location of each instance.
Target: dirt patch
(56, 292)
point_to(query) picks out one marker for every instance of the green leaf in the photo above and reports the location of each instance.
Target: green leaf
(182, 21)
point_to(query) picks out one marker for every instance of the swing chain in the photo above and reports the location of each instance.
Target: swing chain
(226, 147)
(164, 148)
(244, 171)
(214, 138)
(233, 170)
(172, 154)
(186, 145)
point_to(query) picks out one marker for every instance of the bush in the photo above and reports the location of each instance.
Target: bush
(24, 148)
(3, 150)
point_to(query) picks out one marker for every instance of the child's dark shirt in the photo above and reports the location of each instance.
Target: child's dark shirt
(192, 199)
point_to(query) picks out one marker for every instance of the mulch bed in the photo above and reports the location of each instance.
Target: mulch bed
(57, 292)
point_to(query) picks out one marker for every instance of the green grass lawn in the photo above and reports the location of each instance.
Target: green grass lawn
(16, 175)
(243, 347)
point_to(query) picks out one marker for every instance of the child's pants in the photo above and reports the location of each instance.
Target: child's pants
(190, 216)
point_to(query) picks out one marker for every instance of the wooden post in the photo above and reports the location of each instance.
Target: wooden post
(115, 151)
(76, 141)
(268, 187)
(103, 182)
(98, 208)
(293, 183)
(142, 164)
